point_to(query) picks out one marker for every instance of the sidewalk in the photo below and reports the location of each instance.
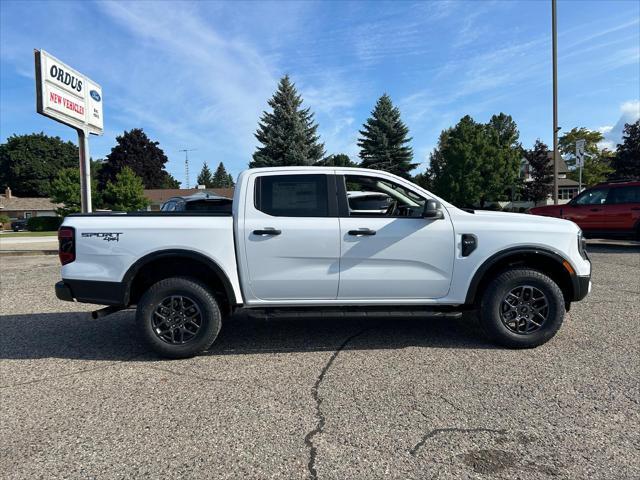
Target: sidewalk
(28, 246)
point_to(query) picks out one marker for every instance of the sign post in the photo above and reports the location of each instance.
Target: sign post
(580, 161)
(70, 97)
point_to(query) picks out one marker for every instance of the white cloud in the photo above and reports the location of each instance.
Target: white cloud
(630, 112)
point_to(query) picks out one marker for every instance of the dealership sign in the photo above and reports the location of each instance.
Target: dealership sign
(67, 96)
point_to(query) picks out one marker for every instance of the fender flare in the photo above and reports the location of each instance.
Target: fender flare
(133, 270)
(502, 254)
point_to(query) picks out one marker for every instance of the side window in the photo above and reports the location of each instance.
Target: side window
(377, 197)
(629, 194)
(292, 195)
(595, 196)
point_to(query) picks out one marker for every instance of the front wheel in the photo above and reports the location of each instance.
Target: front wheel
(521, 308)
(178, 317)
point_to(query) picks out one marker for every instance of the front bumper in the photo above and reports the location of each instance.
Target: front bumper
(581, 287)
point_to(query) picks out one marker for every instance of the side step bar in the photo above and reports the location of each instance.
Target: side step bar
(354, 312)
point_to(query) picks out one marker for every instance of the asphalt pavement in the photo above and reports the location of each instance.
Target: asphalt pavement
(327, 398)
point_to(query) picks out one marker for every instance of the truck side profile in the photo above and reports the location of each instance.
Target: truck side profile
(324, 237)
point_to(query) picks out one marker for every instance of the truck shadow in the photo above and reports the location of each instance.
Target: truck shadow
(74, 335)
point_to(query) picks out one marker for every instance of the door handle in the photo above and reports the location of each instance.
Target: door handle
(267, 231)
(635, 208)
(362, 232)
(595, 209)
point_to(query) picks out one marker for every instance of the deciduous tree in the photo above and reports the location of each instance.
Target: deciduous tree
(626, 163)
(567, 144)
(288, 134)
(135, 150)
(28, 163)
(596, 168)
(126, 193)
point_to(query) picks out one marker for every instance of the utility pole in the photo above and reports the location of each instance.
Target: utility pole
(554, 28)
(186, 164)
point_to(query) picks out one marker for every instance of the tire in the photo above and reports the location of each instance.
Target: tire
(518, 327)
(178, 317)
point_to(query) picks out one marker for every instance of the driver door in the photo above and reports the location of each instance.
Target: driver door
(388, 250)
(589, 209)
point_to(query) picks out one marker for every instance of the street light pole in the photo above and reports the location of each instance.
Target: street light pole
(555, 99)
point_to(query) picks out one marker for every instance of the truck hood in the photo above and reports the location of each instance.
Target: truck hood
(528, 220)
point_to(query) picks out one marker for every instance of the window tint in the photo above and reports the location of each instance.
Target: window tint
(377, 197)
(629, 194)
(209, 206)
(595, 196)
(169, 206)
(292, 195)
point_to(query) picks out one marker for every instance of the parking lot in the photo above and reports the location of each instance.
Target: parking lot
(355, 397)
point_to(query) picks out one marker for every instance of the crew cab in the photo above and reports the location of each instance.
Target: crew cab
(607, 210)
(297, 238)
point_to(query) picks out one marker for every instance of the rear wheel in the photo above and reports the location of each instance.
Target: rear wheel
(178, 317)
(521, 308)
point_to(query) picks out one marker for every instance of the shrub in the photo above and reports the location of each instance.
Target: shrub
(44, 224)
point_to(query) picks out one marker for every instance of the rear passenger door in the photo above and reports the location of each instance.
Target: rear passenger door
(291, 237)
(624, 207)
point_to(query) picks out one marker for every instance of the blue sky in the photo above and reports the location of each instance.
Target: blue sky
(198, 75)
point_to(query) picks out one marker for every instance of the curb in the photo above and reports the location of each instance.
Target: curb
(23, 253)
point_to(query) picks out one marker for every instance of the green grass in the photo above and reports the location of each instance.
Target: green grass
(28, 234)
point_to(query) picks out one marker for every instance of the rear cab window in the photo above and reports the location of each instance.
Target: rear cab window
(293, 195)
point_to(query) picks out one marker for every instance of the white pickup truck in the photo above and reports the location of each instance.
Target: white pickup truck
(318, 238)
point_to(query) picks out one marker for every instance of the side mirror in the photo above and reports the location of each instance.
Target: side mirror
(433, 209)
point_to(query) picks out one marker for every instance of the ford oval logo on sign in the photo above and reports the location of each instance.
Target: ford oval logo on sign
(95, 95)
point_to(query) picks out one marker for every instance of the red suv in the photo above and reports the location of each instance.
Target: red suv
(607, 210)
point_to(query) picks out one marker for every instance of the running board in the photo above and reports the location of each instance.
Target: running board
(293, 312)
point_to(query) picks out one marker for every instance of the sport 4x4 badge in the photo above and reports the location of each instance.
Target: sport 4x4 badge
(106, 236)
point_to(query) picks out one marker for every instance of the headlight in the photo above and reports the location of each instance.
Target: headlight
(582, 246)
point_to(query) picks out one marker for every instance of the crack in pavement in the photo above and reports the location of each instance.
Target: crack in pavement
(308, 439)
(437, 431)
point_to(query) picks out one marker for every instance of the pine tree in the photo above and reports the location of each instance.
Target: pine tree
(384, 142)
(221, 179)
(500, 169)
(337, 160)
(456, 163)
(541, 172)
(230, 182)
(288, 134)
(626, 163)
(205, 178)
(136, 151)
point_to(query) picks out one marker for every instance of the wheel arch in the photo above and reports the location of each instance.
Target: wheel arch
(162, 264)
(551, 263)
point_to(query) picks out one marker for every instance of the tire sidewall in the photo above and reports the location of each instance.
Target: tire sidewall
(491, 303)
(200, 295)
